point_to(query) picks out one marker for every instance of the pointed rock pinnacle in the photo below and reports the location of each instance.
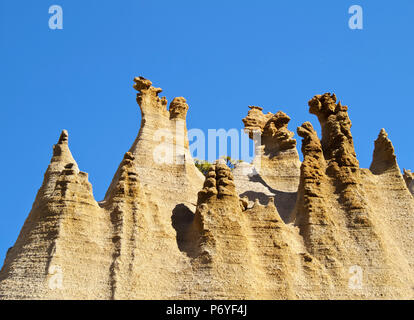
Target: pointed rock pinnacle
(384, 156)
(63, 139)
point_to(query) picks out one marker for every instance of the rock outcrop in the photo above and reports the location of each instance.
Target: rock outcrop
(277, 159)
(244, 253)
(384, 157)
(341, 225)
(65, 223)
(274, 229)
(275, 170)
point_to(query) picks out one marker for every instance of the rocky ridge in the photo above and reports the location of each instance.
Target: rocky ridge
(273, 229)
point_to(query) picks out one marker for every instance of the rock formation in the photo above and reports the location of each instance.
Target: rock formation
(274, 229)
(409, 180)
(64, 225)
(342, 226)
(275, 170)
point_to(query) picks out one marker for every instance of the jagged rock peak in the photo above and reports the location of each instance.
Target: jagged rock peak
(339, 152)
(62, 156)
(313, 166)
(325, 105)
(150, 103)
(273, 127)
(147, 96)
(384, 156)
(128, 185)
(311, 143)
(144, 85)
(151, 238)
(276, 128)
(255, 120)
(337, 141)
(312, 174)
(276, 163)
(63, 137)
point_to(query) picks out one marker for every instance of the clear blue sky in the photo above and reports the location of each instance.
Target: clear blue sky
(221, 55)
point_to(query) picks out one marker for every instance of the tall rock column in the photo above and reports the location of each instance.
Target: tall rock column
(162, 146)
(222, 256)
(384, 158)
(338, 149)
(334, 212)
(147, 223)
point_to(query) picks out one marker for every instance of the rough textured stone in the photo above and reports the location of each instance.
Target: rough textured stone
(273, 229)
(275, 170)
(384, 157)
(409, 180)
(65, 226)
(342, 221)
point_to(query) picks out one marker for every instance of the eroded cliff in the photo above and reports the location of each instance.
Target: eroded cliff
(273, 229)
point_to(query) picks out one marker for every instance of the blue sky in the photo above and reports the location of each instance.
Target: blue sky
(221, 55)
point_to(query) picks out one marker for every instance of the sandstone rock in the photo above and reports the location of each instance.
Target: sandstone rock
(277, 160)
(159, 171)
(343, 226)
(257, 254)
(273, 229)
(275, 170)
(65, 225)
(384, 157)
(409, 180)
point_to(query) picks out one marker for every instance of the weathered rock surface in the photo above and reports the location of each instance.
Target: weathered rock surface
(342, 221)
(65, 226)
(273, 229)
(275, 170)
(409, 180)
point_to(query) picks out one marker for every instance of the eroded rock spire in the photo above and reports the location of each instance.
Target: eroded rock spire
(384, 156)
(147, 96)
(311, 213)
(219, 182)
(151, 103)
(337, 141)
(339, 152)
(64, 218)
(161, 233)
(275, 135)
(61, 154)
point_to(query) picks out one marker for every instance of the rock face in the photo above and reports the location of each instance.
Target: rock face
(126, 245)
(277, 160)
(275, 170)
(64, 225)
(273, 229)
(344, 213)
